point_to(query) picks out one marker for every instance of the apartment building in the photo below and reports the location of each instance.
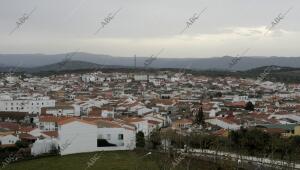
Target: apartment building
(32, 105)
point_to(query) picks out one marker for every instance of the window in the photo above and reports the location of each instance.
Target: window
(120, 136)
(108, 136)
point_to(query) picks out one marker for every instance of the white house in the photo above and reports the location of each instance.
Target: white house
(60, 111)
(43, 146)
(156, 119)
(31, 105)
(12, 79)
(80, 135)
(223, 124)
(156, 82)
(84, 107)
(215, 109)
(144, 110)
(88, 78)
(140, 77)
(1, 83)
(240, 98)
(107, 114)
(118, 133)
(8, 139)
(77, 136)
(47, 123)
(140, 124)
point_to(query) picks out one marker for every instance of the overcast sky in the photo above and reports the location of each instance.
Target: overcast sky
(226, 27)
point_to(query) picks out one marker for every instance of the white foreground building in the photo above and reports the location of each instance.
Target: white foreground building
(78, 136)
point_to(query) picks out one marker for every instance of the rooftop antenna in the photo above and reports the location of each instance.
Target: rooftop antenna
(134, 61)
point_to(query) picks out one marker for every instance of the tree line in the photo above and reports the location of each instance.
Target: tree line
(252, 142)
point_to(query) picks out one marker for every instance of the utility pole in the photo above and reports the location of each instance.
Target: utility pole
(135, 61)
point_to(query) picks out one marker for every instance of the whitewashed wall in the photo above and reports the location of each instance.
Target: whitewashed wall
(8, 139)
(43, 146)
(223, 124)
(81, 136)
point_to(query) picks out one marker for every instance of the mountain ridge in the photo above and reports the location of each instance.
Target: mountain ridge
(219, 63)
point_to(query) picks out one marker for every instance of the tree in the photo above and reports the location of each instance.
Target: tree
(21, 144)
(155, 138)
(140, 139)
(200, 117)
(294, 144)
(54, 149)
(249, 106)
(218, 94)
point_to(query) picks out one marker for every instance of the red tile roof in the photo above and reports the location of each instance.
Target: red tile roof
(10, 126)
(48, 119)
(153, 122)
(27, 136)
(72, 119)
(236, 104)
(51, 133)
(26, 129)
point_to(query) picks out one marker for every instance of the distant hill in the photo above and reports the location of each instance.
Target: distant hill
(66, 65)
(216, 63)
(276, 73)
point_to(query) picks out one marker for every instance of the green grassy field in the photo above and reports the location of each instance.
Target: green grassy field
(121, 160)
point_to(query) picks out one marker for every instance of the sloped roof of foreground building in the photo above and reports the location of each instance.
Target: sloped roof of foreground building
(72, 119)
(100, 123)
(114, 124)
